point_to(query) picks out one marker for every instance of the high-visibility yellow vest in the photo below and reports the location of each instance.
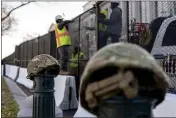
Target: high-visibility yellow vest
(62, 36)
(74, 59)
(102, 27)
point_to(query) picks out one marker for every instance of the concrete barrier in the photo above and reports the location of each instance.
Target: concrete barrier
(165, 109)
(26, 109)
(23, 80)
(62, 92)
(74, 101)
(13, 73)
(7, 70)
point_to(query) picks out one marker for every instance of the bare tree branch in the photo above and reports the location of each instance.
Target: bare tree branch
(7, 20)
(8, 14)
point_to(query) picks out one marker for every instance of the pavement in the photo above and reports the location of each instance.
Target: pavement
(18, 94)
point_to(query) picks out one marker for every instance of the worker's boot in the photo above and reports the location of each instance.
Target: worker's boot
(64, 72)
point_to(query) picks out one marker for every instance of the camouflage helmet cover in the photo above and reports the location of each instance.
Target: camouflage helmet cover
(122, 55)
(41, 62)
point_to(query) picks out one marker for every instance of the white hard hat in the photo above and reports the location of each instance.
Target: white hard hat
(58, 17)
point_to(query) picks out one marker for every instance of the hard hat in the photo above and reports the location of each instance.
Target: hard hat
(104, 76)
(58, 17)
(41, 64)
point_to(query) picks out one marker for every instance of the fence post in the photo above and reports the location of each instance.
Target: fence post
(27, 54)
(43, 97)
(15, 56)
(38, 45)
(128, 33)
(97, 22)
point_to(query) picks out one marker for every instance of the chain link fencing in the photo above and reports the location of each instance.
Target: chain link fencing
(151, 25)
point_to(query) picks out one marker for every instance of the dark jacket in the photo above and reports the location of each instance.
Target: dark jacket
(114, 23)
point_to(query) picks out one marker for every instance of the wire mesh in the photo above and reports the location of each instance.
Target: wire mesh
(168, 63)
(152, 25)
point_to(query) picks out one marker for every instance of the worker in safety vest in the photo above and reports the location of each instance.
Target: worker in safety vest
(63, 41)
(77, 56)
(102, 28)
(103, 15)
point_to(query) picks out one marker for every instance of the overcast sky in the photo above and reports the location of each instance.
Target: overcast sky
(36, 18)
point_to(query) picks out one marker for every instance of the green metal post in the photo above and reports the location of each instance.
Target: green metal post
(43, 97)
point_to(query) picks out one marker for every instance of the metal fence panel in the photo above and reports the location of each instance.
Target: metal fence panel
(41, 45)
(29, 50)
(35, 46)
(22, 55)
(25, 44)
(46, 43)
(17, 55)
(53, 50)
(88, 37)
(74, 33)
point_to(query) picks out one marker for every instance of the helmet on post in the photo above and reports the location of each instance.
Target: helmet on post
(43, 64)
(58, 17)
(121, 69)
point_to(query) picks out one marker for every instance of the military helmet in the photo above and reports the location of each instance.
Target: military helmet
(43, 64)
(115, 58)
